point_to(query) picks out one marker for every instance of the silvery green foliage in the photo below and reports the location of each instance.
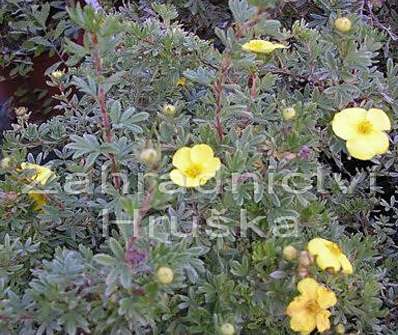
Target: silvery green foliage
(79, 266)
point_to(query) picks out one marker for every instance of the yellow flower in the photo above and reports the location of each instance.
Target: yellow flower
(42, 174)
(262, 47)
(363, 130)
(39, 199)
(57, 74)
(309, 310)
(194, 166)
(329, 255)
(182, 81)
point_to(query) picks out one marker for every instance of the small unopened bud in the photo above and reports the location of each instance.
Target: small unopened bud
(302, 271)
(169, 110)
(20, 111)
(5, 163)
(340, 329)
(343, 24)
(289, 113)
(57, 74)
(9, 197)
(258, 164)
(149, 156)
(165, 275)
(290, 253)
(305, 259)
(227, 329)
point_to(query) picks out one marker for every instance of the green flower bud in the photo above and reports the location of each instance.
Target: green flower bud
(165, 275)
(290, 253)
(227, 329)
(340, 329)
(343, 24)
(289, 113)
(149, 156)
(169, 110)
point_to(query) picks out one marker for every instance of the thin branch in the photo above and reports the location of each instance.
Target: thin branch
(377, 23)
(218, 88)
(101, 97)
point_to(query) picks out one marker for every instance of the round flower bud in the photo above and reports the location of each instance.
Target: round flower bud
(5, 163)
(149, 156)
(165, 275)
(290, 253)
(169, 110)
(340, 329)
(288, 113)
(20, 111)
(227, 329)
(343, 24)
(302, 271)
(57, 74)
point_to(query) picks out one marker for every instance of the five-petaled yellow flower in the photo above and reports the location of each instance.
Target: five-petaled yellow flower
(364, 131)
(262, 47)
(40, 175)
(329, 255)
(309, 310)
(194, 166)
(182, 81)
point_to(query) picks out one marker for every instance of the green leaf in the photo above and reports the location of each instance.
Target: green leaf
(85, 145)
(42, 14)
(166, 11)
(89, 87)
(116, 248)
(104, 259)
(241, 10)
(201, 76)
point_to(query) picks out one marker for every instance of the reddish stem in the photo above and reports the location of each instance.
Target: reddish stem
(218, 88)
(106, 124)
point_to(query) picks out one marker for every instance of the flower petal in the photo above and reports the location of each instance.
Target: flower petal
(379, 119)
(380, 142)
(182, 158)
(317, 246)
(180, 179)
(365, 147)
(303, 322)
(345, 264)
(326, 298)
(211, 166)
(322, 320)
(201, 154)
(327, 260)
(345, 123)
(261, 46)
(308, 287)
(42, 173)
(297, 305)
(39, 199)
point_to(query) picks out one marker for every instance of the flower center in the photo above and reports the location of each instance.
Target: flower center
(193, 171)
(334, 249)
(312, 307)
(365, 127)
